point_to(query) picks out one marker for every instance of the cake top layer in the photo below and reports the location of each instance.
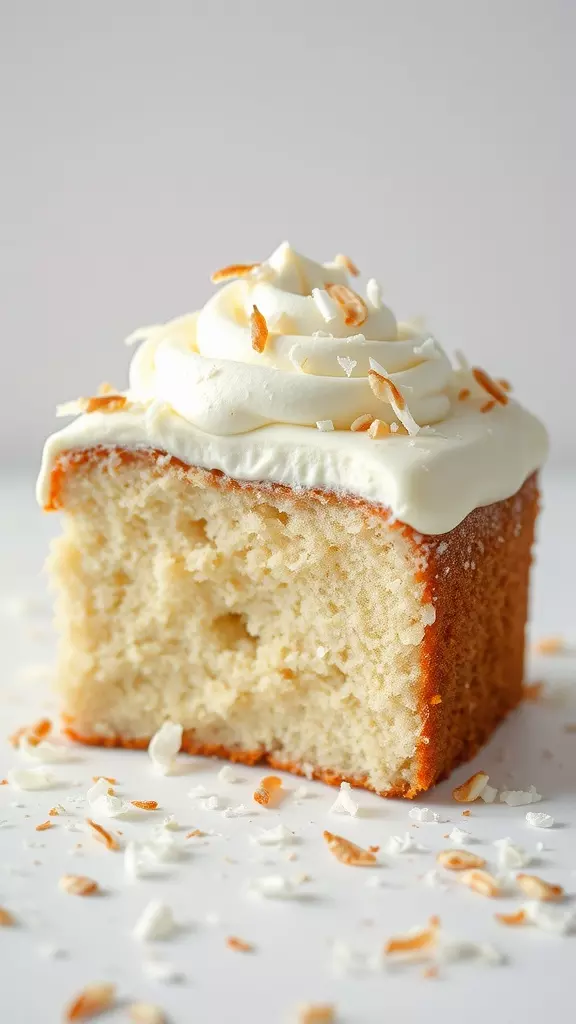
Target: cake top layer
(290, 375)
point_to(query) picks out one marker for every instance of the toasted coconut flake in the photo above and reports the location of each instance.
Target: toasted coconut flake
(7, 920)
(459, 860)
(103, 836)
(481, 882)
(54, 812)
(344, 261)
(258, 330)
(436, 699)
(488, 406)
(146, 1013)
(514, 919)
(34, 733)
(195, 834)
(104, 403)
(105, 388)
(316, 1013)
(347, 852)
(463, 394)
(489, 385)
(385, 389)
(430, 972)
(352, 305)
(44, 826)
(239, 945)
(537, 889)
(362, 422)
(107, 778)
(92, 1001)
(414, 942)
(78, 885)
(470, 790)
(233, 270)
(466, 813)
(504, 384)
(268, 790)
(145, 805)
(549, 645)
(378, 429)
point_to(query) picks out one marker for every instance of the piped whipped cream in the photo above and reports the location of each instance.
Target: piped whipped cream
(201, 391)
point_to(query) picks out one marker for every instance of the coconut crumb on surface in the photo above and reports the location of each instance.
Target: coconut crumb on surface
(481, 882)
(145, 805)
(470, 790)
(415, 941)
(533, 691)
(93, 1001)
(344, 803)
(460, 835)
(315, 1013)
(538, 819)
(78, 885)
(512, 920)
(510, 856)
(347, 852)
(156, 922)
(239, 945)
(268, 792)
(102, 835)
(550, 645)
(518, 797)
(7, 920)
(424, 814)
(536, 888)
(460, 860)
(44, 826)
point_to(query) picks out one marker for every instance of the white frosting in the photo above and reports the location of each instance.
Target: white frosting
(202, 393)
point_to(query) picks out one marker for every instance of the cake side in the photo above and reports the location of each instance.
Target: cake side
(301, 628)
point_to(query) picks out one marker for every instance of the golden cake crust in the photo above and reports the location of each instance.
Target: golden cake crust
(472, 656)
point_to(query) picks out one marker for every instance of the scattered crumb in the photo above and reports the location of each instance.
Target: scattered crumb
(44, 826)
(430, 972)
(403, 844)
(106, 778)
(347, 852)
(459, 860)
(510, 856)
(78, 885)
(481, 882)
(550, 645)
(196, 833)
(277, 836)
(102, 835)
(31, 778)
(537, 889)
(539, 820)
(533, 691)
(423, 814)
(316, 1013)
(155, 922)
(227, 774)
(459, 835)
(518, 797)
(92, 1001)
(239, 945)
(517, 917)
(470, 790)
(415, 941)
(267, 793)
(7, 920)
(550, 918)
(145, 805)
(344, 804)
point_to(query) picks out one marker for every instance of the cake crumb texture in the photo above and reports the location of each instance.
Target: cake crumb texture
(295, 627)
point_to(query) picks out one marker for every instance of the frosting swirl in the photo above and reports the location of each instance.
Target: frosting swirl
(315, 364)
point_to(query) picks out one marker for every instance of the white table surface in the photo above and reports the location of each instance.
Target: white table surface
(293, 961)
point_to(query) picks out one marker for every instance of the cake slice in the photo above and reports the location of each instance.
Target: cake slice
(300, 534)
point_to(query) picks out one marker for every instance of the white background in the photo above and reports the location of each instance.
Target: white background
(145, 144)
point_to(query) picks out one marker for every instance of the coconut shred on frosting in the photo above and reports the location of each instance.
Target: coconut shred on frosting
(290, 375)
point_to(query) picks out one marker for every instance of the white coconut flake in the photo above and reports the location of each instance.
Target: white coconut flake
(539, 820)
(403, 844)
(510, 856)
(297, 358)
(344, 804)
(325, 305)
(301, 793)
(171, 823)
(460, 835)
(278, 836)
(489, 794)
(102, 804)
(429, 349)
(550, 918)
(164, 746)
(197, 791)
(31, 778)
(236, 812)
(423, 814)
(454, 950)
(349, 961)
(210, 803)
(156, 922)
(273, 887)
(434, 879)
(347, 364)
(325, 425)
(518, 797)
(227, 774)
(374, 293)
(162, 971)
